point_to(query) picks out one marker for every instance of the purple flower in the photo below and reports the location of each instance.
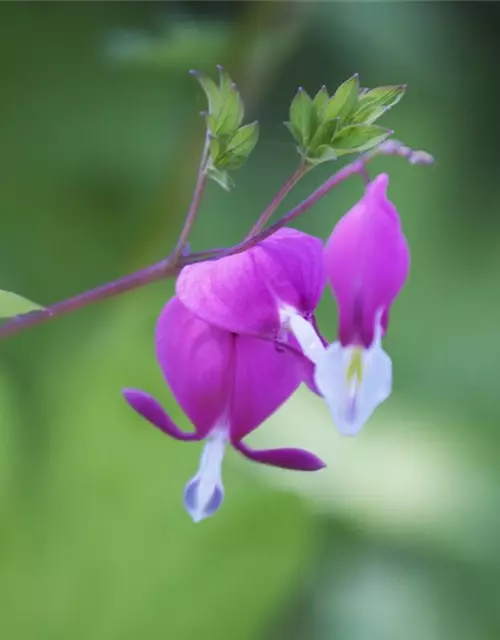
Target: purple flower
(367, 262)
(227, 385)
(257, 291)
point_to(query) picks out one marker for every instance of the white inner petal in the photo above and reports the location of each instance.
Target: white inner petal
(353, 382)
(307, 337)
(204, 493)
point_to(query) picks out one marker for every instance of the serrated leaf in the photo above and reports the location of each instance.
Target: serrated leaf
(225, 81)
(324, 153)
(320, 101)
(376, 102)
(359, 137)
(302, 115)
(231, 113)
(324, 134)
(221, 177)
(344, 101)
(212, 92)
(244, 140)
(211, 122)
(215, 149)
(293, 130)
(12, 304)
(230, 161)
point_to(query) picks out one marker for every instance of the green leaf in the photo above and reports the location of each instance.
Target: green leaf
(231, 113)
(324, 134)
(212, 92)
(211, 122)
(230, 161)
(215, 149)
(302, 115)
(11, 305)
(221, 177)
(359, 137)
(344, 100)
(376, 102)
(324, 153)
(320, 101)
(244, 140)
(294, 131)
(225, 81)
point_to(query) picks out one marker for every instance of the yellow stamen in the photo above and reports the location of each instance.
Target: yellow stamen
(355, 369)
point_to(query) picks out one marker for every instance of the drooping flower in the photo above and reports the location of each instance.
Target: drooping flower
(258, 292)
(367, 260)
(227, 385)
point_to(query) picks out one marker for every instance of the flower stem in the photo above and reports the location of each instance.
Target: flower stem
(276, 201)
(176, 261)
(358, 167)
(195, 203)
(158, 271)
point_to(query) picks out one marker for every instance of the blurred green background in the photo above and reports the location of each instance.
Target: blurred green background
(100, 137)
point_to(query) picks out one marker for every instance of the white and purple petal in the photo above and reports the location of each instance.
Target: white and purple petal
(203, 494)
(353, 382)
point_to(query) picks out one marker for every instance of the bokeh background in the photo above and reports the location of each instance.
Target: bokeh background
(100, 136)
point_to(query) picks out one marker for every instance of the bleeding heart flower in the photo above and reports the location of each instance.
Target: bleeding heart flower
(367, 260)
(258, 291)
(227, 385)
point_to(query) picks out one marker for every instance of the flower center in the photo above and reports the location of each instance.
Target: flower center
(354, 378)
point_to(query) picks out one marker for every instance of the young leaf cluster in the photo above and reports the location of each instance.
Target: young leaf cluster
(326, 127)
(230, 142)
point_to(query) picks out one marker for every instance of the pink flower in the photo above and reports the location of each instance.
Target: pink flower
(367, 260)
(257, 292)
(227, 385)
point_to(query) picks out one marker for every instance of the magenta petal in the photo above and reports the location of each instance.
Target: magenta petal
(197, 361)
(292, 263)
(367, 260)
(266, 376)
(297, 459)
(231, 294)
(243, 293)
(152, 410)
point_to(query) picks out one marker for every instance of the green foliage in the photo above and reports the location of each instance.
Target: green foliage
(221, 177)
(344, 101)
(303, 115)
(375, 103)
(326, 127)
(359, 137)
(230, 144)
(12, 304)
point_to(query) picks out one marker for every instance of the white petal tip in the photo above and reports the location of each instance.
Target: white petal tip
(199, 503)
(197, 517)
(349, 430)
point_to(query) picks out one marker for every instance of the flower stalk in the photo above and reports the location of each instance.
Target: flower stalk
(172, 265)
